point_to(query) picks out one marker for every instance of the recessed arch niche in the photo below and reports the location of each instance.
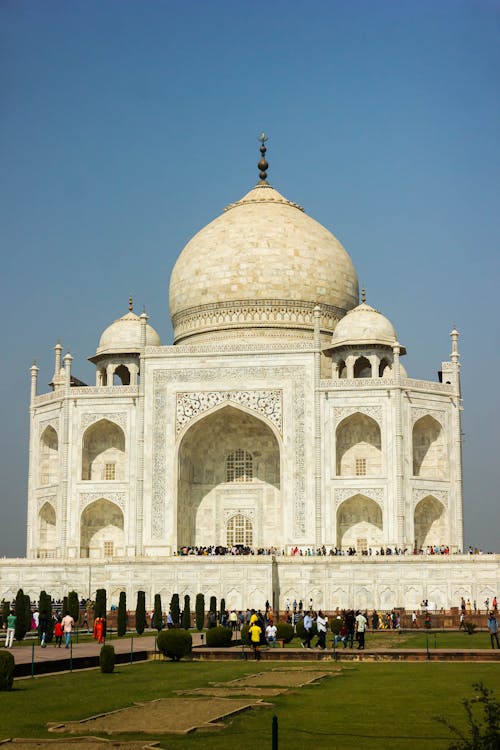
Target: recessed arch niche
(359, 523)
(46, 529)
(103, 446)
(208, 494)
(101, 530)
(430, 524)
(429, 449)
(49, 457)
(358, 444)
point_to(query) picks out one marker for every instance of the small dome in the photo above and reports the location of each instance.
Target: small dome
(263, 264)
(364, 326)
(124, 336)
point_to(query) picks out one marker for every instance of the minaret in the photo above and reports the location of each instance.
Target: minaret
(456, 415)
(31, 465)
(318, 530)
(34, 377)
(400, 516)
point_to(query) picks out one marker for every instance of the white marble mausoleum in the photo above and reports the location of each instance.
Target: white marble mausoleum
(280, 417)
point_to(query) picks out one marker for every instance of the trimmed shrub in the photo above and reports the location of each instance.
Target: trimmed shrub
(200, 611)
(45, 605)
(74, 606)
(219, 636)
(6, 670)
(186, 613)
(336, 625)
(174, 643)
(140, 612)
(285, 631)
(100, 603)
(121, 622)
(64, 607)
(299, 629)
(23, 621)
(175, 609)
(107, 659)
(245, 636)
(470, 627)
(157, 613)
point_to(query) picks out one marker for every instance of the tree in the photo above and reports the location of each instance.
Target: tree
(74, 606)
(65, 605)
(158, 614)
(140, 612)
(45, 607)
(484, 730)
(200, 611)
(100, 603)
(222, 607)
(121, 625)
(186, 613)
(175, 609)
(5, 611)
(22, 621)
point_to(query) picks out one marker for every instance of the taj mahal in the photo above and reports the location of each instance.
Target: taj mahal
(280, 419)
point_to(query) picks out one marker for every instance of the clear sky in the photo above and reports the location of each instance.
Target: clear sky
(127, 126)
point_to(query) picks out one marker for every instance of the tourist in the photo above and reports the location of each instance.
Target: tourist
(361, 623)
(414, 619)
(462, 621)
(67, 625)
(492, 624)
(100, 629)
(271, 633)
(321, 625)
(58, 632)
(255, 632)
(494, 604)
(308, 624)
(11, 629)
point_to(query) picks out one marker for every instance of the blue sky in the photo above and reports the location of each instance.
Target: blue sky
(127, 126)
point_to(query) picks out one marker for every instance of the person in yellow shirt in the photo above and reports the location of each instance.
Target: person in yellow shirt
(255, 632)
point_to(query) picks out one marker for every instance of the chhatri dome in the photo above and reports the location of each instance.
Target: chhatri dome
(258, 270)
(124, 335)
(365, 326)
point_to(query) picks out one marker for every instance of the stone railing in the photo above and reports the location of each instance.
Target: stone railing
(87, 390)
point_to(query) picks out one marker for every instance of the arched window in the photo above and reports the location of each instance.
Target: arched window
(384, 370)
(362, 368)
(239, 466)
(341, 369)
(121, 375)
(49, 457)
(239, 531)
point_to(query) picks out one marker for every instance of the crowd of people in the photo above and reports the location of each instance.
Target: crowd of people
(323, 551)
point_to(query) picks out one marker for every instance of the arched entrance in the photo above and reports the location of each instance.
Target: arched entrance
(47, 531)
(101, 530)
(429, 450)
(430, 523)
(359, 524)
(229, 467)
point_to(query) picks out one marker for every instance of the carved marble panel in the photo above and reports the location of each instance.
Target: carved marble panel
(344, 493)
(52, 499)
(420, 492)
(267, 403)
(86, 498)
(119, 418)
(341, 412)
(438, 415)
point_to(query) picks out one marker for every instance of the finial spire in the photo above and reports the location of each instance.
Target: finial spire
(130, 304)
(263, 165)
(363, 295)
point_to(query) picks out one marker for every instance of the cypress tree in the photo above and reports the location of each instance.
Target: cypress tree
(45, 606)
(100, 603)
(74, 606)
(158, 614)
(200, 611)
(64, 605)
(222, 607)
(140, 612)
(5, 611)
(22, 623)
(175, 609)
(186, 613)
(122, 615)
(213, 604)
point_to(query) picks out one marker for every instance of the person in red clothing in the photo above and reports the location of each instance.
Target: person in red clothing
(99, 629)
(58, 631)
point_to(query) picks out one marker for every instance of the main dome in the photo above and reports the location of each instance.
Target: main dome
(258, 270)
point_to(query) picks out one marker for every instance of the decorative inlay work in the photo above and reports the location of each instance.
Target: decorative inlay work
(267, 403)
(438, 415)
(254, 314)
(119, 418)
(46, 398)
(419, 493)
(341, 412)
(426, 385)
(247, 512)
(406, 383)
(163, 494)
(86, 498)
(238, 345)
(344, 493)
(52, 499)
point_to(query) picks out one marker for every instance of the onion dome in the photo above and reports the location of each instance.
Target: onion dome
(258, 270)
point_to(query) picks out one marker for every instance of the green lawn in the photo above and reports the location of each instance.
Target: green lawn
(371, 705)
(415, 639)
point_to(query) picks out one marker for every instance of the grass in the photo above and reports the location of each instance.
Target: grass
(416, 639)
(373, 705)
